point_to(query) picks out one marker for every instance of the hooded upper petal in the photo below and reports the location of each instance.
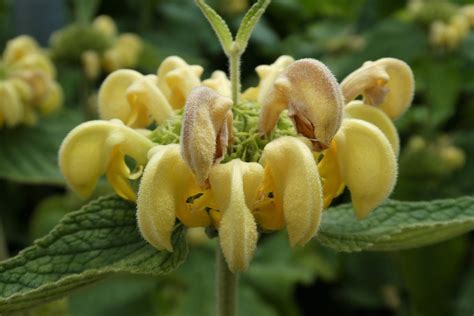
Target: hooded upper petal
(387, 83)
(368, 164)
(310, 92)
(205, 132)
(234, 186)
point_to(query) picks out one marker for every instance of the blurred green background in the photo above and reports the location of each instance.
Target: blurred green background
(437, 158)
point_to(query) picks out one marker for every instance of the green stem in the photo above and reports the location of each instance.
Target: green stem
(226, 287)
(234, 60)
(3, 244)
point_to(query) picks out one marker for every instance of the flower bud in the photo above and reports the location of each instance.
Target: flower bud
(52, 100)
(438, 33)
(387, 83)
(19, 47)
(130, 46)
(176, 79)
(461, 24)
(313, 98)
(219, 83)
(468, 12)
(11, 107)
(113, 59)
(206, 131)
(23, 89)
(106, 25)
(37, 63)
(267, 75)
(91, 64)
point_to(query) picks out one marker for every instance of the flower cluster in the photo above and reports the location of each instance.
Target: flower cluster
(99, 46)
(277, 159)
(451, 33)
(27, 83)
(449, 23)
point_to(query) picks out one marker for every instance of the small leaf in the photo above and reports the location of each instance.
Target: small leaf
(249, 21)
(218, 25)
(98, 240)
(397, 225)
(30, 154)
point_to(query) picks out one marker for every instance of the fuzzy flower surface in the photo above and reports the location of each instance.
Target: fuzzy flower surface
(274, 161)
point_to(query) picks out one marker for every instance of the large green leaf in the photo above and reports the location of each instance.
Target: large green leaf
(397, 225)
(96, 241)
(29, 154)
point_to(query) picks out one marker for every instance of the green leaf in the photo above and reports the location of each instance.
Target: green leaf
(397, 225)
(218, 25)
(98, 240)
(29, 154)
(248, 23)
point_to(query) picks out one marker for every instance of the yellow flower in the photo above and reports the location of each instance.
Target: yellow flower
(207, 132)
(139, 100)
(133, 98)
(124, 53)
(359, 153)
(91, 64)
(292, 179)
(219, 83)
(11, 109)
(176, 79)
(310, 92)
(204, 182)
(106, 25)
(267, 75)
(28, 83)
(99, 147)
(386, 83)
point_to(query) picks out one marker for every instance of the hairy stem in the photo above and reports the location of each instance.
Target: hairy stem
(234, 61)
(226, 287)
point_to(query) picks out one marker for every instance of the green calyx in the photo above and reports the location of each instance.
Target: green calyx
(247, 142)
